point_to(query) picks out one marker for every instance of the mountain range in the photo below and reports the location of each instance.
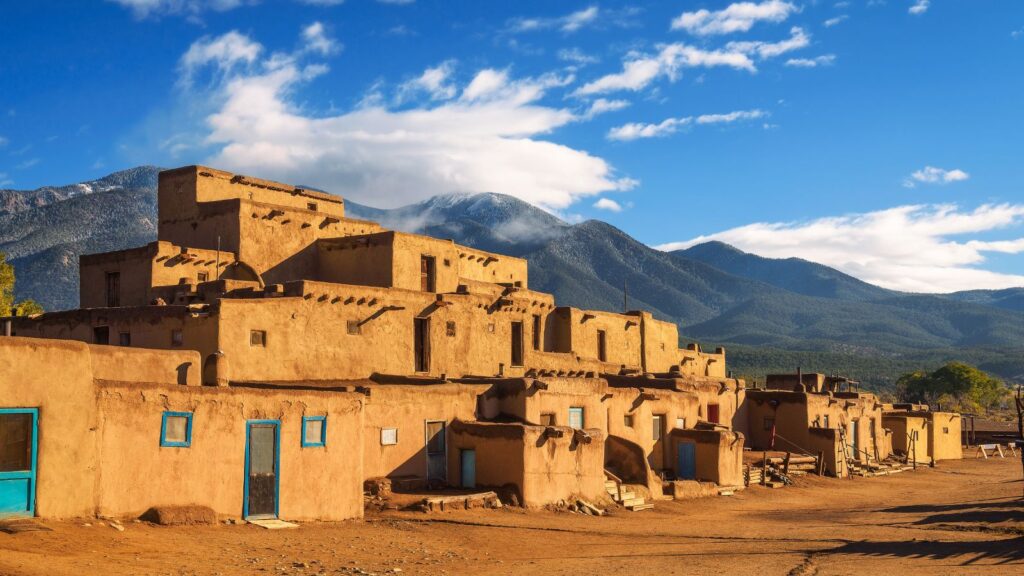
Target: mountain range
(771, 313)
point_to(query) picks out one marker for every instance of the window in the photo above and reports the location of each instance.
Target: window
(258, 338)
(945, 430)
(176, 338)
(681, 423)
(769, 422)
(124, 339)
(421, 337)
(627, 420)
(113, 289)
(311, 206)
(536, 331)
(101, 334)
(15, 441)
(427, 267)
(203, 277)
(602, 346)
(826, 424)
(517, 343)
(353, 327)
(176, 430)
(388, 436)
(449, 328)
(314, 431)
(576, 418)
(547, 419)
(658, 426)
(713, 413)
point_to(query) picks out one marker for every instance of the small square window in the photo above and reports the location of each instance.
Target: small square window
(576, 417)
(388, 436)
(311, 206)
(176, 430)
(314, 431)
(101, 335)
(124, 338)
(945, 430)
(258, 338)
(547, 419)
(203, 277)
(353, 327)
(769, 423)
(628, 420)
(449, 328)
(176, 338)
(681, 423)
(490, 327)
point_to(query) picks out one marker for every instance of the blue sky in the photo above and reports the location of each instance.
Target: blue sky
(880, 137)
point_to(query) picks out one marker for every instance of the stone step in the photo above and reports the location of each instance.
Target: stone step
(640, 507)
(627, 502)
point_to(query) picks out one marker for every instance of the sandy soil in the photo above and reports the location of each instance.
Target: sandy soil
(965, 517)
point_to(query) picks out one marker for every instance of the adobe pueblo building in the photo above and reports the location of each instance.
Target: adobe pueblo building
(268, 357)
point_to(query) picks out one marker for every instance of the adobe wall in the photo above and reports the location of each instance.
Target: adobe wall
(134, 267)
(676, 408)
(407, 408)
(365, 260)
(788, 411)
(545, 468)
(660, 343)
(825, 442)
(480, 266)
(323, 483)
(695, 362)
(527, 400)
(945, 436)
(166, 367)
(56, 377)
(622, 336)
(718, 455)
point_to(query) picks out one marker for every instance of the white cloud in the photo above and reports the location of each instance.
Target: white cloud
(602, 105)
(918, 248)
(576, 56)
(837, 20)
(608, 204)
(490, 138)
(146, 8)
(316, 39)
(225, 51)
(798, 39)
(933, 175)
(637, 130)
(919, 7)
(823, 60)
(639, 70)
(568, 23)
(436, 82)
(738, 17)
(322, 2)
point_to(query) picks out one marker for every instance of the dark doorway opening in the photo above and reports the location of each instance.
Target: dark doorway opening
(517, 343)
(422, 344)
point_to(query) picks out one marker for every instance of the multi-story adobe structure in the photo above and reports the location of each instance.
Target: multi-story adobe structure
(267, 354)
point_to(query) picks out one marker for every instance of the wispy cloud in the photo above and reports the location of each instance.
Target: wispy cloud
(638, 130)
(836, 20)
(933, 175)
(576, 56)
(823, 60)
(738, 17)
(488, 137)
(798, 39)
(316, 39)
(225, 52)
(639, 70)
(916, 248)
(568, 23)
(919, 7)
(608, 204)
(190, 8)
(603, 105)
(435, 82)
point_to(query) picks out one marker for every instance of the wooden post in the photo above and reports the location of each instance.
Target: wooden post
(785, 465)
(913, 448)
(821, 463)
(764, 468)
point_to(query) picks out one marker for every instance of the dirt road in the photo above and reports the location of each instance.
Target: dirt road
(964, 517)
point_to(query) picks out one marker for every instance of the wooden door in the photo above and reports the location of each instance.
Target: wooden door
(686, 465)
(262, 469)
(467, 460)
(517, 343)
(437, 452)
(421, 337)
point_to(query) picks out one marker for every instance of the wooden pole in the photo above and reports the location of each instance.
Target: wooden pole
(764, 468)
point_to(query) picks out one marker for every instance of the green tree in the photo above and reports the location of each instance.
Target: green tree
(8, 307)
(956, 385)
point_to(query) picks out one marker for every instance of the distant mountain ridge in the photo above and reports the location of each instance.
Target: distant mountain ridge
(717, 293)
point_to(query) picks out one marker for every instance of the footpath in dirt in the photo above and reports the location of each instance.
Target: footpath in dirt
(963, 517)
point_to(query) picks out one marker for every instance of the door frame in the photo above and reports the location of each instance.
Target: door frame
(692, 449)
(31, 476)
(277, 468)
(426, 445)
(462, 467)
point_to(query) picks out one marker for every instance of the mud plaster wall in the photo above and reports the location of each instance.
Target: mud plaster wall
(902, 428)
(825, 442)
(719, 455)
(660, 343)
(137, 473)
(500, 455)
(134, 267)
(56, 378)
(365, 260)
(675, 407)
(622, 336)
(408, 408)
(166, 367)
(945, 438)
(525, 401)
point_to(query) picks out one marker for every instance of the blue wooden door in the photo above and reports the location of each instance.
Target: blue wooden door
(687, 464)
(468, 458)
(18, 436)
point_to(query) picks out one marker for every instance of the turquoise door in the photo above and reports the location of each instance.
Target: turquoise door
(18, 435)
(687, 464)
(468, 458)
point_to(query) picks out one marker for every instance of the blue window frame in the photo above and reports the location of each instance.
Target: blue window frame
(176, 430)
(314, 431)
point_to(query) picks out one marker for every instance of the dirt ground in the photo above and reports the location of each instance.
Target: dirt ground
(964, 517)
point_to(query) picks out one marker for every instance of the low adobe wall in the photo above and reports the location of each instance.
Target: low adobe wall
(945, 440)
(173, 367)
(544, 468)
(315, 483)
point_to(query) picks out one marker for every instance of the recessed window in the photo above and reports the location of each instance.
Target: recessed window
(311, 206)
(113, 281)
(314, 431)
(825, 422)
(945, 430)
(449, 328)
(124, 338)
(176, 430)
(203, 277)
(547, 419)
(353, 327)
(536, 331)
(657, 427)
(769, 423)
(681, 423)
(176, 338)
(576, 417)
(602, 346)
(258, 338)
(388, 436)
(101, 335)
(628, 420)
